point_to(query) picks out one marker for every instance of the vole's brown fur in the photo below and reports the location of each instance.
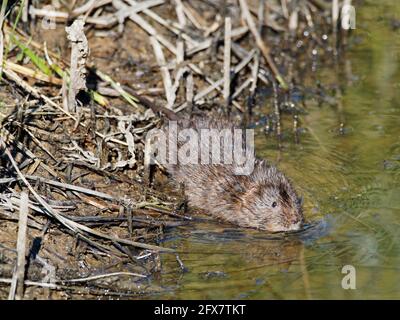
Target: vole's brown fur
(264, 199)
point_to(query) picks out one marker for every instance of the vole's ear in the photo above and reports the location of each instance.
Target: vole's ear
(283, 193)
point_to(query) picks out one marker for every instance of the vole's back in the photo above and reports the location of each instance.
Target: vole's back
(262, 199)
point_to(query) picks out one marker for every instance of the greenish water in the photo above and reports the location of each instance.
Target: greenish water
(351, 185)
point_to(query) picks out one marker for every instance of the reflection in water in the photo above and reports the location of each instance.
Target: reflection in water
(219, 259)
(350, 179)
(222, 258)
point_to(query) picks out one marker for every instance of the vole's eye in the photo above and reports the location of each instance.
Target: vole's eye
(274, 204)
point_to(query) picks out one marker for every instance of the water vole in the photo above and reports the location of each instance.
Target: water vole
(263, 199)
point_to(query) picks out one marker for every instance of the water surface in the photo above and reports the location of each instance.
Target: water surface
(350, 180)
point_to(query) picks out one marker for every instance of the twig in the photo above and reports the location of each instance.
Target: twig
(32, 73)
(33, 283)
(215, 85)
(227, 60)
(180, 13)
(243, 86)
(18, 277)
(173, 27)
(170, 94)
(71, 225)
(37, 94)
(335, 17)
(116, 86)
(260, 43)
(276, 110)
(293, 21)
(79, 53)
(146, 26)
(189, 91)
(101, 276)
(2, 13)
(72, 187)
(256, 65)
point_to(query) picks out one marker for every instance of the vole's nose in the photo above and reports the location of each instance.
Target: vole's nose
(296, 219)
(296, 222)
(300, 201)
